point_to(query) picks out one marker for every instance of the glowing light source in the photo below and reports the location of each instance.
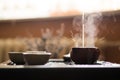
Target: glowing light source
(47, 8)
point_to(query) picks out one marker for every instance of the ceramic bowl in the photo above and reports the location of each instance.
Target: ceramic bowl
(85, 55)
(17, 57)
(36, 57)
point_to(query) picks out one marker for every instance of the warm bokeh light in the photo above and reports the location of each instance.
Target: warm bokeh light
(14, 9)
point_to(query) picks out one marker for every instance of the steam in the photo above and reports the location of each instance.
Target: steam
(76, 38)
(89, 24)
(47, 33)
(77, 21)
(60, 32)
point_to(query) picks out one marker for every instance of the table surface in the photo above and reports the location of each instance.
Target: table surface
(59, 70)
(59, 63)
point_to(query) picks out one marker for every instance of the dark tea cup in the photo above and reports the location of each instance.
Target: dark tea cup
(17, 57)
(84, 55)
(36, 57)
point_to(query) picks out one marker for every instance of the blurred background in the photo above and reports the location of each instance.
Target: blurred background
(56, 26)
